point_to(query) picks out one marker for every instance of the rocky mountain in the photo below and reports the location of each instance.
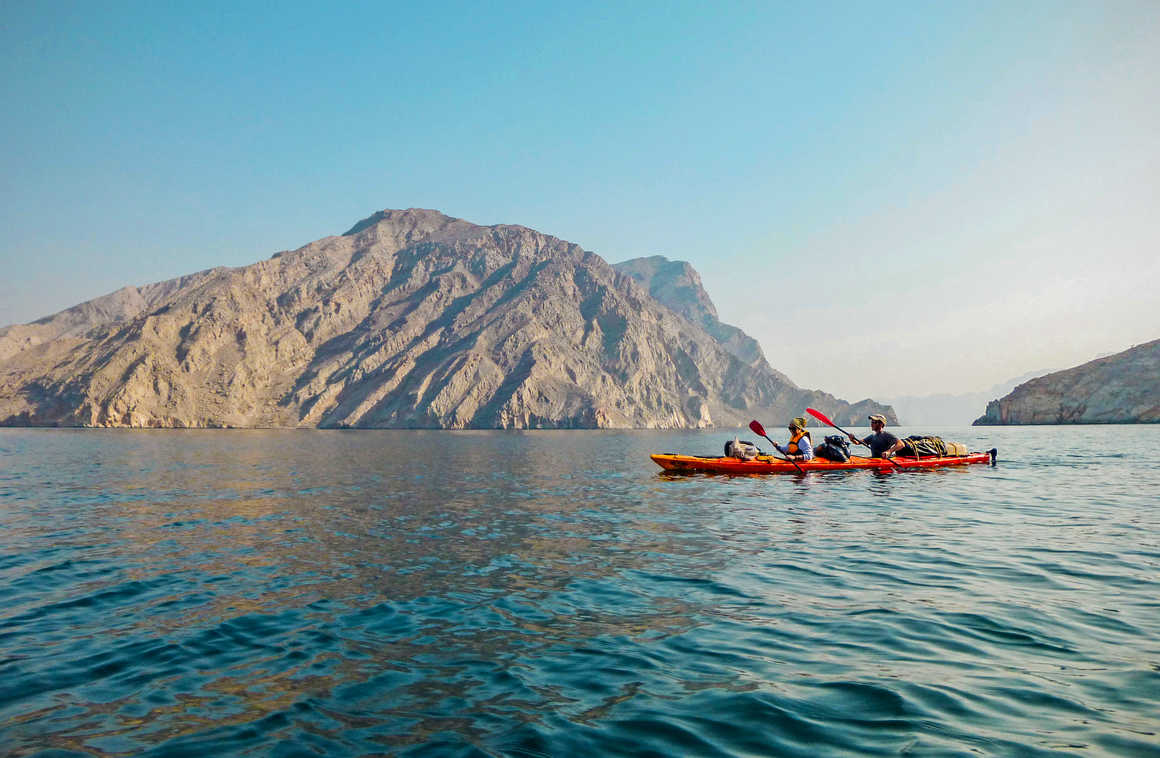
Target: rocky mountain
(122, 305)
(410, 319)
(678, 286)
(1118, 389)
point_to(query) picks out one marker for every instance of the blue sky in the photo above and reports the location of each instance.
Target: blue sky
(892, 198)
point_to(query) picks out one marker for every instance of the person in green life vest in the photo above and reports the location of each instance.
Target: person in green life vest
(800, 448)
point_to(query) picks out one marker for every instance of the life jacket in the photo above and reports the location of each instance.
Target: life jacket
(792, 448)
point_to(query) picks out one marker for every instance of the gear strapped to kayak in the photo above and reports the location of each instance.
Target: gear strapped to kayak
(919, 446)
(835, 448)
(743, 449)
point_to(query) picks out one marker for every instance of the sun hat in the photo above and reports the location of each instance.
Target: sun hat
(877, 417)
(798, 423)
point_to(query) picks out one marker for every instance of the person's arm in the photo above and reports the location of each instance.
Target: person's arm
(857, 441)
(806, 448)
(890, 451)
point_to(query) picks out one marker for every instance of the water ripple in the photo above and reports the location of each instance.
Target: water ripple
(172, 594)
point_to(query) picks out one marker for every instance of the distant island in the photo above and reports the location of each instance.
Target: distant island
(411, 319)
(1117, 389)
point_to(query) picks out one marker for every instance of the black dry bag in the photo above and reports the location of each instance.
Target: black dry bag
(835, 448)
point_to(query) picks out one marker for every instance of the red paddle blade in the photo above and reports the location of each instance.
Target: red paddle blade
(757, 428)
(820, 417)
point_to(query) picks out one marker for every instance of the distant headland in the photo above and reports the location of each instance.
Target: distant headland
(1118, 389)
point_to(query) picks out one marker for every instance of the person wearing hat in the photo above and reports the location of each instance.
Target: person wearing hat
(881, 442)
(800, 448)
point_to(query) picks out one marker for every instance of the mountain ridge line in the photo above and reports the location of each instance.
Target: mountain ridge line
(410, 319)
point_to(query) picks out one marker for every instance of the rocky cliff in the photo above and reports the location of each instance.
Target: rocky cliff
(677, 285)
(410, 319)
(1118, 389)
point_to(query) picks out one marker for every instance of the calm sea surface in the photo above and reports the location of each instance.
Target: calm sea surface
(553, 594)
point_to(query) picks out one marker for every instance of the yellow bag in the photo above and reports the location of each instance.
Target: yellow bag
(956, 449)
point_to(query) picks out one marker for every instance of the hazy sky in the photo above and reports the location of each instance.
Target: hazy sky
(892, 198)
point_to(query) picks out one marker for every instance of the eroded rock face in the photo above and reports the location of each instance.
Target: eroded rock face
(1118, 389)
(677, 285)
(410, 319)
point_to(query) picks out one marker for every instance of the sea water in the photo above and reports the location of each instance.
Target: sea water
(292, 593)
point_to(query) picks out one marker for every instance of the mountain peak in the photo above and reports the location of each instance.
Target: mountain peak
(675, 283)
(415, 219)
(411, 319)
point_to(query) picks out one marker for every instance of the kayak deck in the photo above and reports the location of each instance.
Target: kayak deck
(766, 464)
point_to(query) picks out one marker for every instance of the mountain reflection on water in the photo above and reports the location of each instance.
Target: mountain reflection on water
(547, 593)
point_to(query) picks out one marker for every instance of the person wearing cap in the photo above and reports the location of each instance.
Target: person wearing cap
(800, 448)
(881, 443)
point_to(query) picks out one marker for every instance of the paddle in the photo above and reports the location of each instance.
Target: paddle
(759, 429)
(826, 420)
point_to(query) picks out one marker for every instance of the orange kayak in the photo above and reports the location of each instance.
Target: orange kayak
(767, 464)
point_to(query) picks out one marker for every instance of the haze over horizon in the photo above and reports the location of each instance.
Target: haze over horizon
(893, 201)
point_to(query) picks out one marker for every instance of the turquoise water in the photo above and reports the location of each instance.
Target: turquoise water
(552, 593)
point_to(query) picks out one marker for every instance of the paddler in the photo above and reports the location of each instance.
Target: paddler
(800, 448)
(881, 443)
